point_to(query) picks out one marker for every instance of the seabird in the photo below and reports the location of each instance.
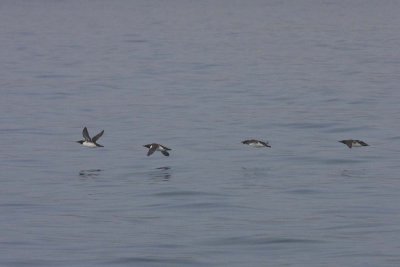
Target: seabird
(255, 143)
(353, 143)
(90, 142)
(153, 147)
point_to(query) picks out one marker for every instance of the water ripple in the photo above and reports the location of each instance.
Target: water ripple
(186, 193)
(256, 240)
(154, 260)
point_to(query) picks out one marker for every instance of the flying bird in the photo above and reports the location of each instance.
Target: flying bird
(153, 147)
(90, 142)
(255, 143)
(353, 143)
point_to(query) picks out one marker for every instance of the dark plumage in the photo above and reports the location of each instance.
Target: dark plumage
(90, 142)
(255, 143)
(353, 143)
(153, 147)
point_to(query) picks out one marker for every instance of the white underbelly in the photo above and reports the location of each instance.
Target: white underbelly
(88, 144)
(356, 145)
(256, 145)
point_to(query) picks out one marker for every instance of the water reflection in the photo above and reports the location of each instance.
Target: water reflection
(161, 173)
(90, 173)
(353, 173)
(254, 172)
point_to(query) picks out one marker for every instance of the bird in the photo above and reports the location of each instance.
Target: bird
(255, 143)
(153, 147)
(353, 143)
(90, 142)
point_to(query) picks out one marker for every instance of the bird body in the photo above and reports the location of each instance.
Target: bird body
(255, 143)
(353, 143)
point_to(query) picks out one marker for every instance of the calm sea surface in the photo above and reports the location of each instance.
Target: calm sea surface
(200, 77)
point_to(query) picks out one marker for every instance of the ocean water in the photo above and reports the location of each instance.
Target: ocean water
(199, 77)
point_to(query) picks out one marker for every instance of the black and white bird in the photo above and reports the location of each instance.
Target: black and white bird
(255, 143)
(353, 143)
(90, 142)
(153, 147)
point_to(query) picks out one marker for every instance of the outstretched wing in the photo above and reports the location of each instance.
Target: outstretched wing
(348, 143)
(165, 153)
(265, 144)
(362, 143)
(151, 150)
(86, 136)
(97, 136)
(166, 148)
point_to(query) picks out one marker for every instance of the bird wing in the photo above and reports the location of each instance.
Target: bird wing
(85, 134)
(97, 136)
(151, 150)
(264, 143)
(362, 143)
(349, 143)
(166, 148)
(165, 153)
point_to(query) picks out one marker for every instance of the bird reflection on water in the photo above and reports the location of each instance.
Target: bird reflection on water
(161, 173)
(90, 173)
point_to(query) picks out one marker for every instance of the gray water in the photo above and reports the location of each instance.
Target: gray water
(199, 77)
